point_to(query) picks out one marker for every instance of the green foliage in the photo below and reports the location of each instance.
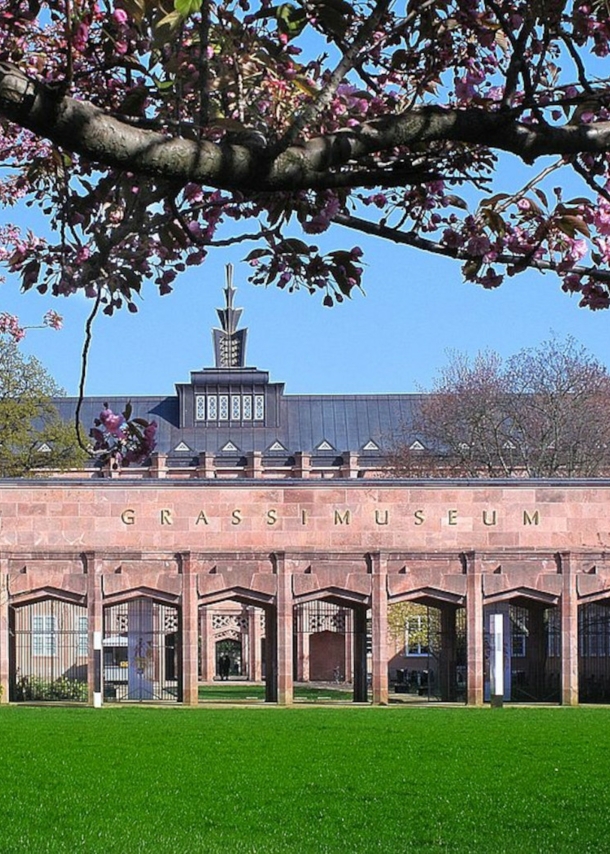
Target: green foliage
(33, 688)
(306, 780)
(28, 419)
(398, 617)
(187, 7)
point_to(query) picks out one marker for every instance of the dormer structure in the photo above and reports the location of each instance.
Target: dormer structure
(230, 394)
(230, 421)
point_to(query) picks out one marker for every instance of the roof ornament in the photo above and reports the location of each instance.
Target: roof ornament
(229, 341)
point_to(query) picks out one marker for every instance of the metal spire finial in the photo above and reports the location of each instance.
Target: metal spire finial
(229, 341)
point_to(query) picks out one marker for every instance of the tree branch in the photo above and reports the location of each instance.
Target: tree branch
(83, 128)
(427, 245)
(313, 109)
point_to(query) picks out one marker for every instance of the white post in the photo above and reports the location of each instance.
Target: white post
(496, 664)
(97, 666)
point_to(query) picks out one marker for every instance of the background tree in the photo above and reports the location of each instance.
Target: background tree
(150, 132)
(28, 419)
(542, 413)
(411, 624)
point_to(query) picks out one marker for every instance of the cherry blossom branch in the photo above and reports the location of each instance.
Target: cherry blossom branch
(319, 104)
(427, 245)
(204, 41)
(589, 180)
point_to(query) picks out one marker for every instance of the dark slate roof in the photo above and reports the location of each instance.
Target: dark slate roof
(345, 422)
(338, 423)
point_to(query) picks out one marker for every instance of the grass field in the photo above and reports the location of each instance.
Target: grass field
(235, 693)
(303, 780)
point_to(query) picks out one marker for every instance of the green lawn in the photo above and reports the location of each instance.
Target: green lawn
(302, 780)
(236, 693)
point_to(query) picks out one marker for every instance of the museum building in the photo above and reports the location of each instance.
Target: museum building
(264, 541)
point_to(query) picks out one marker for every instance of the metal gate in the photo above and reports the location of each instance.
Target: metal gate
(48, 652)
(594, 653)
(142, 658)
(330, 646)
(532, 652)
(433, 660)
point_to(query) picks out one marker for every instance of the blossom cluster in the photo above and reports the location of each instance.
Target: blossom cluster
(12, 327)
(120, 439)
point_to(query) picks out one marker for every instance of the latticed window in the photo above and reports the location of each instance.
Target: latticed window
(200, 407)
(225, 407)
(44, 637)
(235, 407)
(246, 407)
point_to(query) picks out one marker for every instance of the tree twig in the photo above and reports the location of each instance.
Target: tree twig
(83, 371)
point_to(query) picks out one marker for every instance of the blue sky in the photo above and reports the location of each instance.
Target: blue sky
(391, 340)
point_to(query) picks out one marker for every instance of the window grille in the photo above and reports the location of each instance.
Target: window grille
(212, 407)
(247, 407)
(259, 407)
(200, 407)
(223, 407)
(235, 407)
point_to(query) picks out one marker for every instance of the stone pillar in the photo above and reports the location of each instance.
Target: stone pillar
(95, 623)
(360, 683)
(206, 467)
(569, 633)
(474, 631)
(302, 641)
(285, 630)
(206, 673)
(349, 645)
(349, 469)
(4, 633)
(379, 621)
(448, 659)
(158, 465)
(190, 635)
(302, 464)
(254, 464)
(271, 655)
(254, 634)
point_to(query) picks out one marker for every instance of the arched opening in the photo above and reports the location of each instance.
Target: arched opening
(532, 650)
(48, 651)
(427, 650)
(229, 660)
(142, 658)
(331, 648)
(236, 638)
(594, 652)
